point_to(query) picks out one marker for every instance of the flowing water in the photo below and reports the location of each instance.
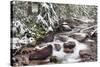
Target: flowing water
(61, 55)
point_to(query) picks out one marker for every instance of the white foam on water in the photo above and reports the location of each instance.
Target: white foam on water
(74, 57)
(67, 57)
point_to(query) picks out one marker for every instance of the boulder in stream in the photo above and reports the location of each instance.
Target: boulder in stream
(79, 36)
(66, 28)
(57, 47)
(85, 55)
(69, 45)
(41, 54)
(68, 50)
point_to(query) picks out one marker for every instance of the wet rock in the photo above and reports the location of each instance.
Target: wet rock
(79, 36)
(93, 47)
(47, 38)
(89, 41)
(72, 22)
(92, 44)
(69, 45)
(66, 28)
(63, 27)
(85, 55)
(68, 50)
(57, 47)
(39, 62)
(27, 50)
(62, 38)
(41, 54)
(21, 60)
(53, 59)
(25, 60)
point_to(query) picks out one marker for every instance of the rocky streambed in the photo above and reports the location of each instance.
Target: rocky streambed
(58, 48)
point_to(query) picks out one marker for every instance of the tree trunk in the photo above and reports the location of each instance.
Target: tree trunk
(29, 10)
(39, 8)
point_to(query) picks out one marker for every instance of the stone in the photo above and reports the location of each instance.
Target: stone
(39, 62)
(64, 23)
(68, 50)
(91, 43)
(85, 53)
(69, 45)
(53, 59)
(25, 60)
(62, 38)
(57, 47)
(79, 36)
(41, 54)
(27, 50)
(49, 37)
(32, 41)
(66, 28)
(18, 60)
(72, 23)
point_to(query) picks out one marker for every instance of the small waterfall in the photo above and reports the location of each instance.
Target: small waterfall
(66, 57)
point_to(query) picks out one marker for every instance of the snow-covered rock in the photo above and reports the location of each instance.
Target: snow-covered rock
(79, 36)
(24, 40)
(62, 38)
(27, 41)
(32, 41)
(57, 47)
(86, 20)
(50, 29)
(15, 43)
(14, 29)
(66, 28)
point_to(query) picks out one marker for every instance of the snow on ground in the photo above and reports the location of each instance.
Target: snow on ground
(15, 43)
